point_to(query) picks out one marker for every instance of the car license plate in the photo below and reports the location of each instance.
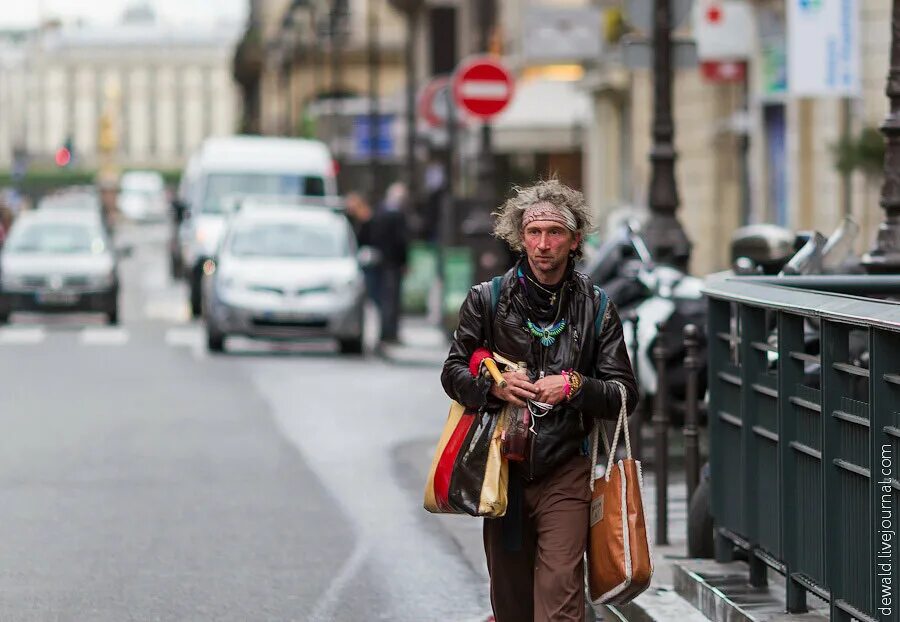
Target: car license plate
(63, 299)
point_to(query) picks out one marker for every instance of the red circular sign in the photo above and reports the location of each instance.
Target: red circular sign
(433, 102)
(482, 87)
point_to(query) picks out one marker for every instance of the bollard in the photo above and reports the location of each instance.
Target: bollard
(692, 364)
(661, 426)
(636, 421)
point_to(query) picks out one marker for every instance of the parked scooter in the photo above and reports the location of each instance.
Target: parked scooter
(650, 294)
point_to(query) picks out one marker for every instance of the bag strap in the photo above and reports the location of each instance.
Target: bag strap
(599, 430)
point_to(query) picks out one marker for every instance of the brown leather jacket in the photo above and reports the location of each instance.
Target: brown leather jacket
(600, 358)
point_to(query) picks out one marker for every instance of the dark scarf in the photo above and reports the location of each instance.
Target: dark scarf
(539, 295)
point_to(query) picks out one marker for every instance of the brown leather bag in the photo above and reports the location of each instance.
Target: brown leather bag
(619, 561)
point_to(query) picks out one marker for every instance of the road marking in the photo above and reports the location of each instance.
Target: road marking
(172, 310)
(333, 596)
(104, 336)
(192, 337)
(28, 335)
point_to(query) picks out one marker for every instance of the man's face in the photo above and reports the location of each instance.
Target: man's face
(548, 244)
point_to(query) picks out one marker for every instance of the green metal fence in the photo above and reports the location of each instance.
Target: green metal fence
(805, 438)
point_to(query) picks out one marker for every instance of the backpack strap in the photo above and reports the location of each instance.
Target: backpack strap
(601, 310)
(495, 291)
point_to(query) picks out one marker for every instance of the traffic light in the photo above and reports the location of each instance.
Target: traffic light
(63, 157)
(65, 153)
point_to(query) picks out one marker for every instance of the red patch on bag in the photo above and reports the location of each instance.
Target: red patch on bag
(444, 469)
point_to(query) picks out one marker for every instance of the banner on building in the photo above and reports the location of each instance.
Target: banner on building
(823, 48)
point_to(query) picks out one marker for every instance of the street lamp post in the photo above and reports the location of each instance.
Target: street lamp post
(664, 234)
(412, 174)
(885, 257)
(486, 193)
(411, 9)
(374, 112)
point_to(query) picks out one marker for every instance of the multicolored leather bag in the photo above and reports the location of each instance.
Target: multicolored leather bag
(468, 473)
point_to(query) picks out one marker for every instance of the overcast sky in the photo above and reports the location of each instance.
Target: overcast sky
(23, 13)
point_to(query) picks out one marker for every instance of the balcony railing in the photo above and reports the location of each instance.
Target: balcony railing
(804, 408)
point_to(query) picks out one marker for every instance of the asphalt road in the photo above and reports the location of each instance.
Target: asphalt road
(142, 479)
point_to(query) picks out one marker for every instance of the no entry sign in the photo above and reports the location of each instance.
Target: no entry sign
(482, 87)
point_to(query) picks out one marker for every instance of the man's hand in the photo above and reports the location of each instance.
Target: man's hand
(517, 389)
(551, 389)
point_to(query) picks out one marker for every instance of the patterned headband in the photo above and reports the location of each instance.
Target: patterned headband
(549, 212)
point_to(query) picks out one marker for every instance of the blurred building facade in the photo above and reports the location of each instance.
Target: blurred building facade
(747, 150)
(303, 66)
(145, 92)
(791, 174)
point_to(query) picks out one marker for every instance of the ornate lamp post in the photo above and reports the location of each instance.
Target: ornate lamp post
(885, 257)
(664, 234)
(412, 9)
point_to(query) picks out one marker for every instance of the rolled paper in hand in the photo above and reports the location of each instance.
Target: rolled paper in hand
(481, 361)
(491, 366)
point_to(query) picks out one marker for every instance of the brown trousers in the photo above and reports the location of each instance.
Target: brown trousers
(544, 580)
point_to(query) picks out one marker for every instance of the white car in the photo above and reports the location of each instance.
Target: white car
(59, 261)
(285, 273)
(142, 196)
(226, 167)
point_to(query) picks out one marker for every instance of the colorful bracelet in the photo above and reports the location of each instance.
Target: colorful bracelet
(575, 382)
(567, 387)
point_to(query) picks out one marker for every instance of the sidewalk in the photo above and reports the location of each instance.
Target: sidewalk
(422, 344)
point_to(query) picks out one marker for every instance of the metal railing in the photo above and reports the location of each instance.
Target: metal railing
(805, 436)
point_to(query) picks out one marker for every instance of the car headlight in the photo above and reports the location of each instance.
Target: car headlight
(9, 281)
(230, 284)
(346, 285)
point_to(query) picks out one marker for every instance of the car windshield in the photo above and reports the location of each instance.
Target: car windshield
(56, 238)
(277, 239)
(220, 186)
(75, 201)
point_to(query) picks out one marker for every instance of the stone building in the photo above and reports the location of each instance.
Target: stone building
(153, 91)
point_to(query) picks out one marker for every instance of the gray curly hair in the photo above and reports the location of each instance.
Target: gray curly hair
(508, 225)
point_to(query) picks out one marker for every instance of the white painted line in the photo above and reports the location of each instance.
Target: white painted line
(325, 608)
(168, 310)
(192, 337)
(187, 336)
(110, 336)
(484, 89)
(22, 335)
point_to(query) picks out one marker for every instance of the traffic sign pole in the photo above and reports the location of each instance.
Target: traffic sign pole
(483, 88)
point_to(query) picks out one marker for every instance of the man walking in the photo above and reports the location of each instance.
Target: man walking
(390, 239)
(544, 315)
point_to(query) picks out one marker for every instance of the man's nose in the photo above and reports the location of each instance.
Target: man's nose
(544, 241)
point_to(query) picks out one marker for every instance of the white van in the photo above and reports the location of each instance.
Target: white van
(229, 167)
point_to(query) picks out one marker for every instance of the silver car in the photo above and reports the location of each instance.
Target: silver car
(59, 261)
(285, 273)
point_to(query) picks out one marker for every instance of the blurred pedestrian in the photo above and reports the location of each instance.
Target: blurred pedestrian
(435, 187)
(360, 214)
(391, 241)
(6, 220)
(546, 315)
